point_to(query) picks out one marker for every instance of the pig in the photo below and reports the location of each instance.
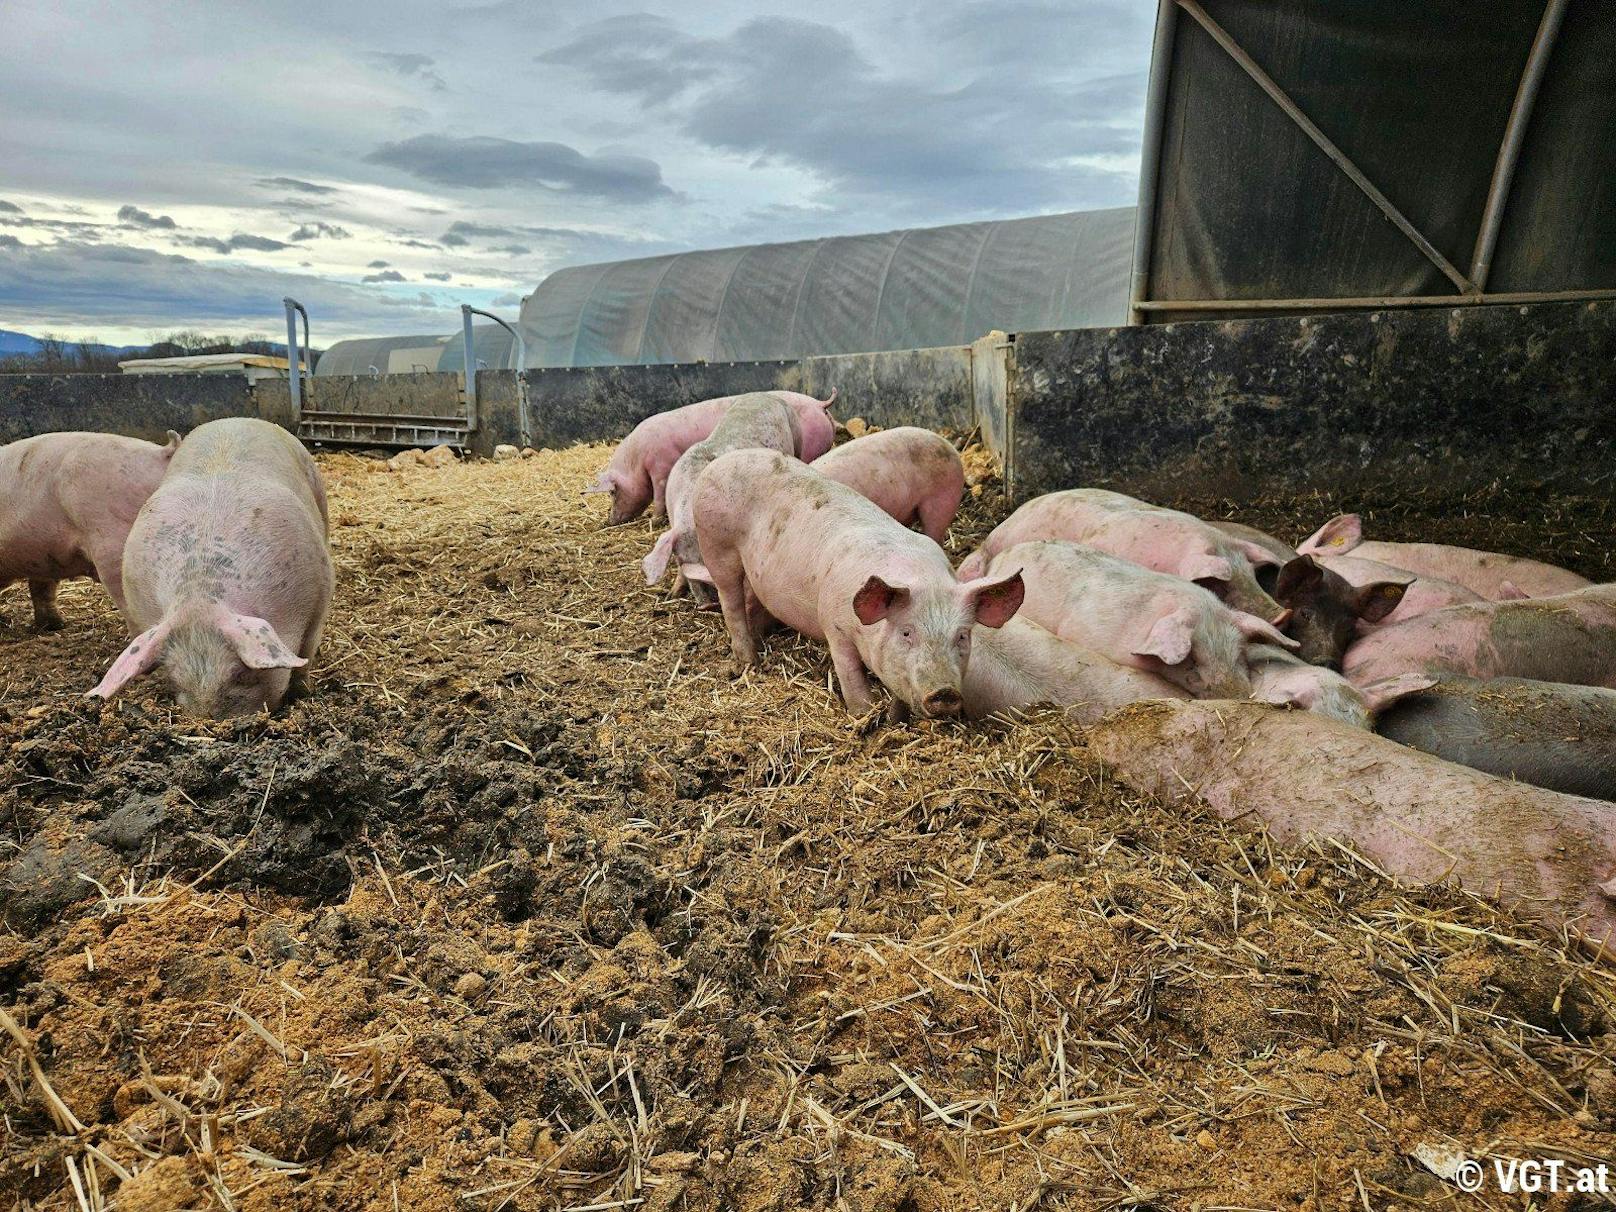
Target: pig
(1285, 679)
(913, 474)
(1492, 576)
(825, 560)
(1146, 620)
(1545, 733)
(637, 474)
(67, 501)
(1266, 573)
(1414, 816)
(227, 571)
(1570, 637)
(1421, 595)
(1022, 665)
(1326, 613)
(760, 419)
(1163, 540)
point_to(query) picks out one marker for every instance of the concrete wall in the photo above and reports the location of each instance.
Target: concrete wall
(410, 395)
(141, 406)
(1454, 395)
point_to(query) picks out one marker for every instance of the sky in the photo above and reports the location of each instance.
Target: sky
(185, 165)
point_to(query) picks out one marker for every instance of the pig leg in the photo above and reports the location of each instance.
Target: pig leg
(732, 595)
(46, 616)
(936, 514)
(107, 560)
(850, 675)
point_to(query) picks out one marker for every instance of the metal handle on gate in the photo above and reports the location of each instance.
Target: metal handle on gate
(466, 312)
(295, 365)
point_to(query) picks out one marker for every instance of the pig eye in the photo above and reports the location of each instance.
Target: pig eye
(908, 633)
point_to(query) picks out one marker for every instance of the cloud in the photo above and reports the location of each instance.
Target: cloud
(484, 162)
(236, 242)
(505, 300)
(377, 265)
(133, 216)
(419, 66)
(13, 242)
(10, 208)
(515, 250)
(460, 233)
(311, 231)
(438, 277)
(294, 184)
(386, 275)
(75, 285)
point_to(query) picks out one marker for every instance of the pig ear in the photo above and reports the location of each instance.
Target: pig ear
(1374, 602)
(877, 599)
(1259, 556)
(1254, 628)
(255, 642)
(996, 602)
(1207, 568)
(142, 655)
(697, 572)
(1336, 537)
(973, 566)
(1296, 577)
(1382, 694)
(604, 482)
(1509, 591)
(1304, 696)
(656, 563)
(1170, 639)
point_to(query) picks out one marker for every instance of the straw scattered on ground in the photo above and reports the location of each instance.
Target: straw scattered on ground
(531, 905)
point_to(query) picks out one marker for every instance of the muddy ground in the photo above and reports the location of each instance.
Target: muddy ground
(530, 905)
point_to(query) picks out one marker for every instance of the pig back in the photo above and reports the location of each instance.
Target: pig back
(1546, 733)
(242, 451)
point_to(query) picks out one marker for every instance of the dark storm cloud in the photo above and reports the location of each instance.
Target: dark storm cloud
(133, 216)
(484, 162)
(71, 283)
(418, 66)
(296, 185)
(987, 134)
(387, 275)
(236, 242)
(312, 231)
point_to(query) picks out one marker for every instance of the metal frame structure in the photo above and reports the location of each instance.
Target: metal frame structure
(466, 312)
(298, 368)
(1470, 288)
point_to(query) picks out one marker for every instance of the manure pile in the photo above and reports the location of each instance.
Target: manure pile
(532, 906)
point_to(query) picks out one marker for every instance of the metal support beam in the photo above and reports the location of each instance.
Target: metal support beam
(1144, 230)
(466, 312)
(1336, 155)
(296, 366)
(1376, 302)
(1509, 151)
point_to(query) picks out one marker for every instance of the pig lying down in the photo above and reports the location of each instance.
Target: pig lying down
(637, 474)
(1485, 573)
(1163, 540)
(227, 571)
(1021, 665)
(826, 561)
(67, 501)
(1159, 624)
(913, 474)
(760, 420)
(1570, 637)
(1546, 733)
(1416, 817)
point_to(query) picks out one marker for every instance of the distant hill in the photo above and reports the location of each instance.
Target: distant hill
(22, 343)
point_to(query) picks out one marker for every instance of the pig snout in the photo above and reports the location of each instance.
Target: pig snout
(943, 702)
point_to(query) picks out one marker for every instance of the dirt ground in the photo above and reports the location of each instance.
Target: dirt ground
(530, 905)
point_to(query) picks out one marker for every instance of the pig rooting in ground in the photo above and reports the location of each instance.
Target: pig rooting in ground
(918, 641)
(1323, 610)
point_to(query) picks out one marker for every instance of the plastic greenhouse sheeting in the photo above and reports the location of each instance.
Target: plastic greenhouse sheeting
(910, 289)
(495, 349)
(389, 355)
(1418, 97)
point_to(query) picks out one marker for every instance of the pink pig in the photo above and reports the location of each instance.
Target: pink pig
(1421, 594)
(913, 474)
(1492, 576)
(821, 558)
(1022, 665)
(1147, 620)
(67, 501)
(1163, 540)
(227, 570)
(1569, 637)
(637, 474)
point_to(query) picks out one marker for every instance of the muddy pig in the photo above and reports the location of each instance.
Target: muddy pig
(1547, 733)
(227, 570)
(1495, 577)
(1421, 594)
(1163, 540)
(1161, 624)
(1417, 817)
(1325, 614)
(913, 474)
(1022, 665)
(637, 474)
(67, 501)
(1570, 637)
(760, 419)
(825, 560)
(1284, 679)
